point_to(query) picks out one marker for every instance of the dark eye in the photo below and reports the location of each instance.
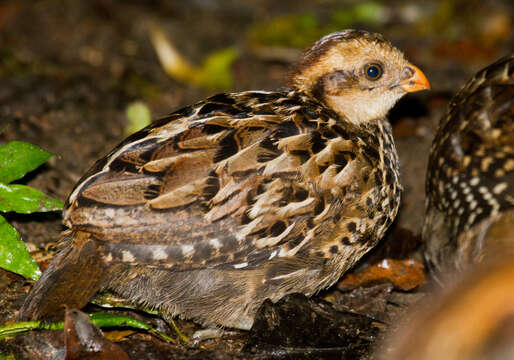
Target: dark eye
(372, 71)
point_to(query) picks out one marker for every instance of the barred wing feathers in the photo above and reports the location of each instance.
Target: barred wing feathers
(233, 181)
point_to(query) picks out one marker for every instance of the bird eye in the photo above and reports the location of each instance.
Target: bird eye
(372, 71)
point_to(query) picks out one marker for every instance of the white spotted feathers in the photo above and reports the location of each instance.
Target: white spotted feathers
(470, 177)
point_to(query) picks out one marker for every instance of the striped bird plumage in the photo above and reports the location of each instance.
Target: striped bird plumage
(240, 178)
(241, 197)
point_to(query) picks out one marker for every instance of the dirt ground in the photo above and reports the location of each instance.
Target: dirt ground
(69, 69)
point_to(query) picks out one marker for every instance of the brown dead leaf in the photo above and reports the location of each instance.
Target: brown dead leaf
(404, 274)
(117, 335)
(84, 340)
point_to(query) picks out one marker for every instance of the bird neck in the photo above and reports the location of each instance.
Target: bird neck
(355, 109)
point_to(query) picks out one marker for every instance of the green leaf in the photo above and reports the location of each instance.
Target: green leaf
(113, 320)
(138, 116)
(292, 30)
(216, 71)
(26, 200)
(109, 300)
(7, 356)
(366, 13)
(18, 158)
(14, 255)
(99, 319)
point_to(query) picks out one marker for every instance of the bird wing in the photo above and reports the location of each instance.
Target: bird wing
(234, 180)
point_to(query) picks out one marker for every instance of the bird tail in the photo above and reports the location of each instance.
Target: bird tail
(72, 278)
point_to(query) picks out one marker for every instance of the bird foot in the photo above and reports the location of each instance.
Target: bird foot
(210, 333)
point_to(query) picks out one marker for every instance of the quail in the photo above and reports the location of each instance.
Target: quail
(470, 176)
(241, 197)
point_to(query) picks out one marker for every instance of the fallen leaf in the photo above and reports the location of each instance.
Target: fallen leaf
(404, 274)
(84, 340)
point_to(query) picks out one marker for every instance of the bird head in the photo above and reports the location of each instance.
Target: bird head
(358, 74)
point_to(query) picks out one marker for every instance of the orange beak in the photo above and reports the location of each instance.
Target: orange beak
(417, 82)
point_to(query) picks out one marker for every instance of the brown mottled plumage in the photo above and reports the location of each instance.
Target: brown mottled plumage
(470, 177)
(243, 196)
